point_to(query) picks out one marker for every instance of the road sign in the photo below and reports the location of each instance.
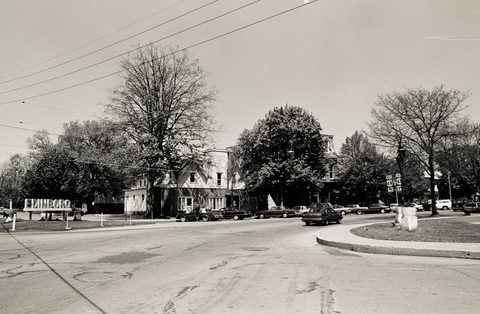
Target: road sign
(398, 175)
(389, 183)
(398, 181)
(390, 189)
(389, 177)
(399, 188)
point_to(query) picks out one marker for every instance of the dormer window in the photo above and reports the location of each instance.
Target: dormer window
(219, 178)
(192, 177)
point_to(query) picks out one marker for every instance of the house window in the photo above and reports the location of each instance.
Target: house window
(192, 177)
(185, 203)
(216, 202)
(219, 178)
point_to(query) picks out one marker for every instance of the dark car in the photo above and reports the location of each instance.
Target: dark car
(204, 215)
(321, 215)
(275, 211)
(233, 213)
(458, 204)
(471, 207)
(378, 208)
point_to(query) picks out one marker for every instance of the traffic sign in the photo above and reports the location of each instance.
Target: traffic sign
(390, 182)
(399, 181)
(389, 177)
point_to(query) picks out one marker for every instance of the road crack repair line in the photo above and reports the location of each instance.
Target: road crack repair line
(170, 306)
(57, 274)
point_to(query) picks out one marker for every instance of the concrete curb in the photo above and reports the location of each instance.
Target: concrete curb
(350, 242)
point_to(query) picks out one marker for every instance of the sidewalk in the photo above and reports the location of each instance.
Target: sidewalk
(341, 237)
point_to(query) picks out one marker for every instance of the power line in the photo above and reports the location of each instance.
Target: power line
(25, 129)
(49, 107)
(191, 46)
(82, 46)
(95, 51)
(114, 57)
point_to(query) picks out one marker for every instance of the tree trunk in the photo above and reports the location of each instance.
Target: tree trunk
(150, 197)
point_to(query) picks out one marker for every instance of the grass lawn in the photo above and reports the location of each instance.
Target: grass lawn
(61, 225)
(428, 230)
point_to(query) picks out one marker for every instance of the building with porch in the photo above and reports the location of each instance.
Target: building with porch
(207, 184)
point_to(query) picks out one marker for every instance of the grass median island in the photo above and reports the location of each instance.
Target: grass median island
(428, 230)
(60, 225)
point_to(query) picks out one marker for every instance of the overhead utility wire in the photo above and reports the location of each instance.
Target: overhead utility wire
(114, 57)
(194, 45)
(95, 51)
(25, 129)
(49, 107)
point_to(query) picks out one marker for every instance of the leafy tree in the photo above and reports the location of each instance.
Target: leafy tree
(164, 108)
(284, 150)
(459, 160)
(362, 170)
(419, 120)
(100, 152)
(11, 176)
(50, 175)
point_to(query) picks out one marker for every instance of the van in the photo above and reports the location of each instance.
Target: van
(442, 204)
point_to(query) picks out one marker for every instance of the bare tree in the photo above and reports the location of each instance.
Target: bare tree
(419, 120)
(165, 108)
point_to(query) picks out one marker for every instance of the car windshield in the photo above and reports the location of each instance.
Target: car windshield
(317, 210)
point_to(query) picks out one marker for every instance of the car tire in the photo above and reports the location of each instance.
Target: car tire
(445, 207)
(261, 216)
(339, 221)
(382, 211)
(183, 219)
(326, 222)
(205, 218)
(235, 217)
(307, 223)
(359, 212)
(344, 213)
(285, 215)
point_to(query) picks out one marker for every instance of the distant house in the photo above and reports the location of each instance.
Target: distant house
(206, 183)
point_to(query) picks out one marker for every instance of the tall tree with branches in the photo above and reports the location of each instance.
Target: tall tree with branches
(165, 108)
(418, 120)
(284, 150)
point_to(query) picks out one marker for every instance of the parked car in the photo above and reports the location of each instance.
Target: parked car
(355, 208)
(321, 215)
(379, 208)
(205, 215)
(458, 204)
(313, 205)
(342, 210)
(275, 211)
(441, 204)
(299, 210)
(233, 213)
(419, 207)
(471, 207)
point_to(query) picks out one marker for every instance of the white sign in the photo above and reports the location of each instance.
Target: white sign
(42, 205)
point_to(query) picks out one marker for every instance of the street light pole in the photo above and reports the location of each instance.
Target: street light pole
(400, 160)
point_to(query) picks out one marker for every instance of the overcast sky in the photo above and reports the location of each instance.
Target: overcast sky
(333, 58)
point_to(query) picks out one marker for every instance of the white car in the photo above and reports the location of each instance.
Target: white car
(300, 210)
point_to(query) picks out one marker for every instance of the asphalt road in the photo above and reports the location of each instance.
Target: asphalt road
(250, 266)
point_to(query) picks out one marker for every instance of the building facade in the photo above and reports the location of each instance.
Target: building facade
(207, 184)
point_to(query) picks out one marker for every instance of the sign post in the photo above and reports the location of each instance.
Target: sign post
(394, 184)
